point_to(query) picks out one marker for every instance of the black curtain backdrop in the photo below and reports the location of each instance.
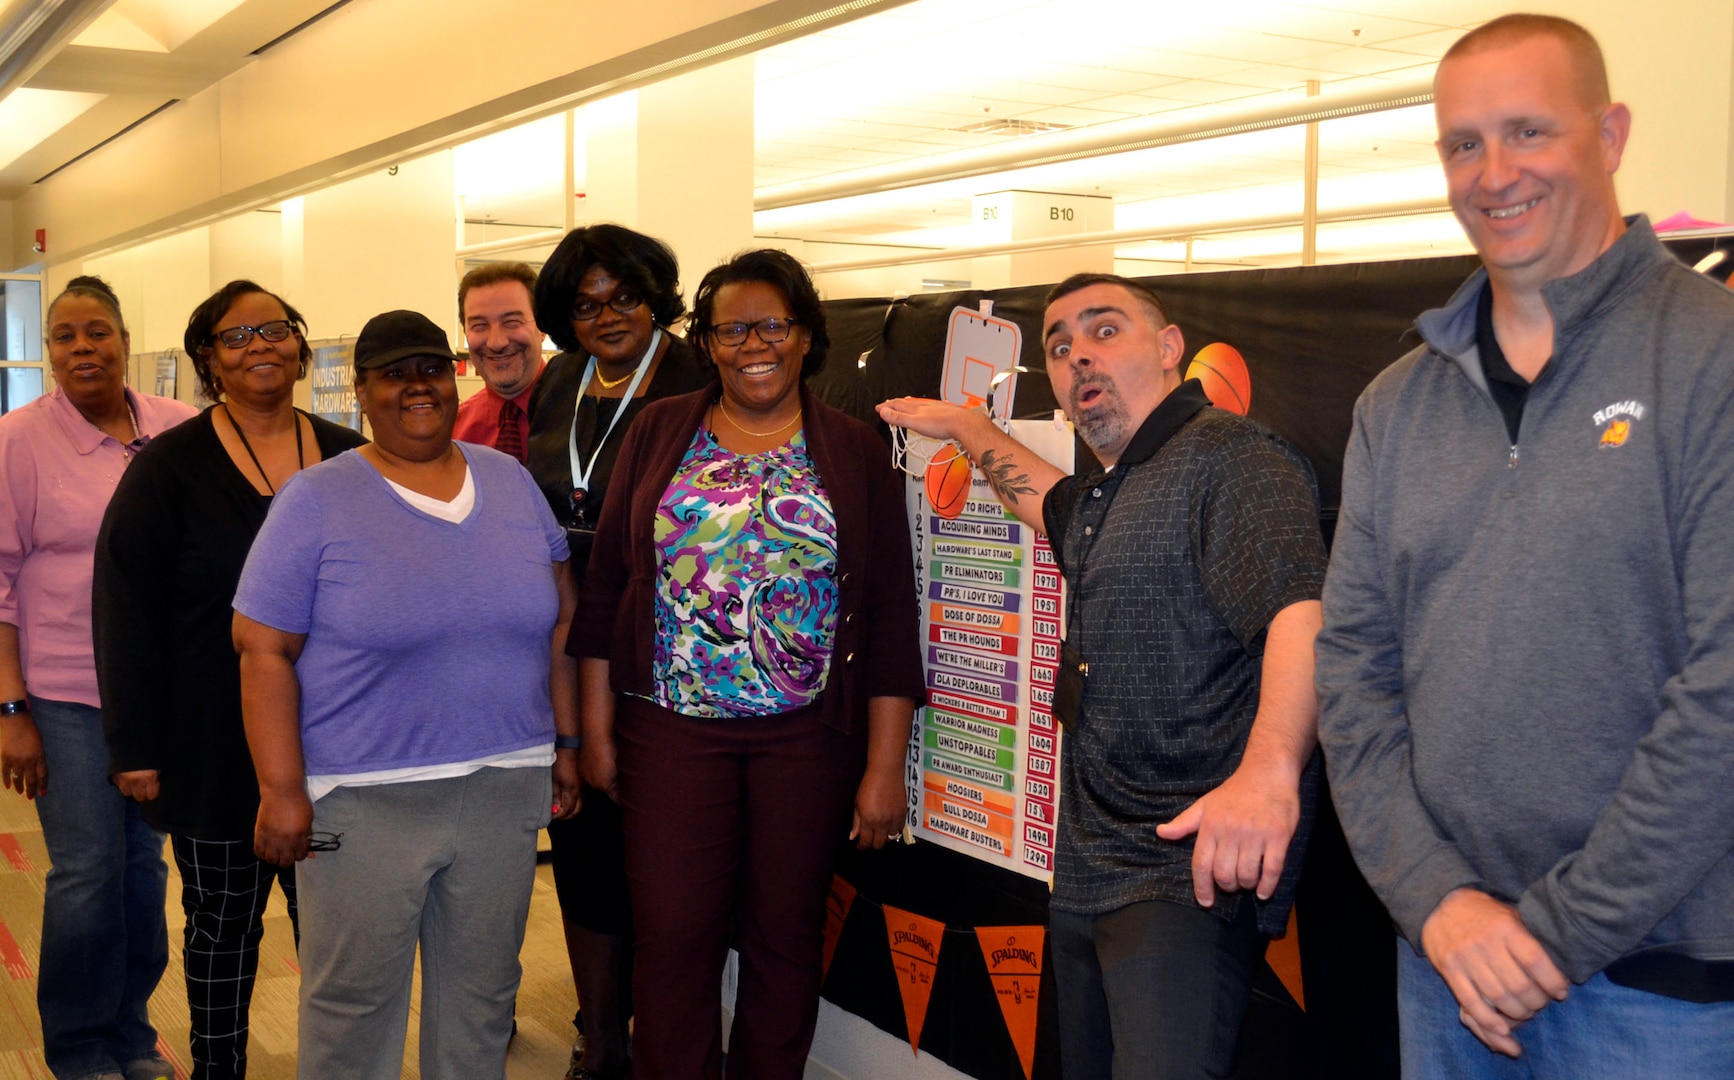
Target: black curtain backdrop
(1313, 337)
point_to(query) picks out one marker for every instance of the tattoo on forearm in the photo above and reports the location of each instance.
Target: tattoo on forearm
(1006, 476)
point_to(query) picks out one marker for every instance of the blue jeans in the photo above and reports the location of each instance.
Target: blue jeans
(105, 940)
(1601, 1031)
(1153, 990)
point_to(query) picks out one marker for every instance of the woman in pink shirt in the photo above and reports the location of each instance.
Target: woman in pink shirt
(104, 937)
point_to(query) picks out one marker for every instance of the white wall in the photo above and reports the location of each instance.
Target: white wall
(249, 246)
(1728, 213)
(695, 173)
(159, 284)
(1673, 63)
(6, 239)
(376, 243)
(675, 160)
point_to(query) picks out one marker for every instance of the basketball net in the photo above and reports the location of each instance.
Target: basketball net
(914, 452)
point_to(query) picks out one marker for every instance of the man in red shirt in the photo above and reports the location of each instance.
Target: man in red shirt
(506, 348)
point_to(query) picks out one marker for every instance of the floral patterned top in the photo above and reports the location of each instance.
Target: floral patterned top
(746, 598)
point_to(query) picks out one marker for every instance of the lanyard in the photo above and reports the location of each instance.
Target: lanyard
(581, 472)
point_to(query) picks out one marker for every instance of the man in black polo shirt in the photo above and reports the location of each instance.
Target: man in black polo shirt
(1193, 564)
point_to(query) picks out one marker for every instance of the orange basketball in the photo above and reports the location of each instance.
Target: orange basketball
(1222, 370)
(948, 485)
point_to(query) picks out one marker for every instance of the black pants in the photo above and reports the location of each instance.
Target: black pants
(1152, 991)
(224, 890)
(730, 825)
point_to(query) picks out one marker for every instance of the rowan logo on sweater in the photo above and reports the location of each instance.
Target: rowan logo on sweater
(1615, 422)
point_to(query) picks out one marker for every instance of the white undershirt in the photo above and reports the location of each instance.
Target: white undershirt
(455, 511)
(531, 756)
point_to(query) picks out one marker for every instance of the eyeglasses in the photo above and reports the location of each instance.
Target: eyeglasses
(237, 337)
(625, 300)
(324, 841)
(770, 331)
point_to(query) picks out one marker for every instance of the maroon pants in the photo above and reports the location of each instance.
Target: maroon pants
(731, 823)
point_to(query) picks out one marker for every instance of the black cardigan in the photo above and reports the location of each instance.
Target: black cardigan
(168, 559)
(876, 652)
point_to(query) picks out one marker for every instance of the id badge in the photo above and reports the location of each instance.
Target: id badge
(581, 530)
(1069, 685)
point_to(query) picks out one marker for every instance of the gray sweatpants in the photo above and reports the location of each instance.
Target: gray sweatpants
(446, 864)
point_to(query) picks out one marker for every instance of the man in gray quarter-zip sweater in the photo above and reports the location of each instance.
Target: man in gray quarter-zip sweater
(1527, 665)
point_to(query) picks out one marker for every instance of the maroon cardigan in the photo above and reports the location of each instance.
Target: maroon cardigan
(877, 647)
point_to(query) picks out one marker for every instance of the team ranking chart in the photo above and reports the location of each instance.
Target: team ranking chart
(984, 759)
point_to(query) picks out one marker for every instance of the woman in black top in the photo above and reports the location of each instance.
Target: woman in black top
(168, 558)
(607, 296)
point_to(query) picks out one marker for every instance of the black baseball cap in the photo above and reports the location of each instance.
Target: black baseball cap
(399, 335)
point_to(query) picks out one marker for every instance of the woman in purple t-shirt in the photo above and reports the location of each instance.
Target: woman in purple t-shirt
(401, 623)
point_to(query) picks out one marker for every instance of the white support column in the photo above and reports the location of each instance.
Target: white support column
(1310, 189)
(675, 161)
(380, 241)
(569, 171)
(1007, 216)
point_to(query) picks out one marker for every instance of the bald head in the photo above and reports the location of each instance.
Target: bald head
(1589, 70)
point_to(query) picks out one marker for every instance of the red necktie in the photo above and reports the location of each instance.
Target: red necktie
(510, 439)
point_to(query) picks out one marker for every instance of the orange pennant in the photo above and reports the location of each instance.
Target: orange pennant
(837, 905)
(915, 942)
(1014, 963)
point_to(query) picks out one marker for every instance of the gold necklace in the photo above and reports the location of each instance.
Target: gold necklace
(757, 434)
(602, 380)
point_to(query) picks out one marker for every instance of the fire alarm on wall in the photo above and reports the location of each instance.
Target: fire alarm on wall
(41, 244)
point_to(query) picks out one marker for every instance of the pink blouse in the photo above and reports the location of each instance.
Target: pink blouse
(57, 472)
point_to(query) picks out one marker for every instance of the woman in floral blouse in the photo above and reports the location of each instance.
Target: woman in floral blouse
(748, 670)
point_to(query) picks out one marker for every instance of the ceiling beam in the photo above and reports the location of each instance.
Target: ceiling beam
(337, 104)
(31, 31)
(1097, 140)
(130, 71)
(1172, 232)
(113, 114)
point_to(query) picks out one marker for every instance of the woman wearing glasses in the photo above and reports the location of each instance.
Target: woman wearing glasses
(747, 635)
(167, 562)
(608, 296)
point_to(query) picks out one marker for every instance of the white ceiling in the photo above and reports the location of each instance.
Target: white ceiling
(896, 87)
(135, 58)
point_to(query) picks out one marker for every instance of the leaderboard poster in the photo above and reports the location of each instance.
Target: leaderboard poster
(984, 756)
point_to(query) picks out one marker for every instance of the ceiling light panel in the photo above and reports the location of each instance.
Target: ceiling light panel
(944, 63)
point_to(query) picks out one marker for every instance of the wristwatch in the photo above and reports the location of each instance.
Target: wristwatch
(14, 708)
